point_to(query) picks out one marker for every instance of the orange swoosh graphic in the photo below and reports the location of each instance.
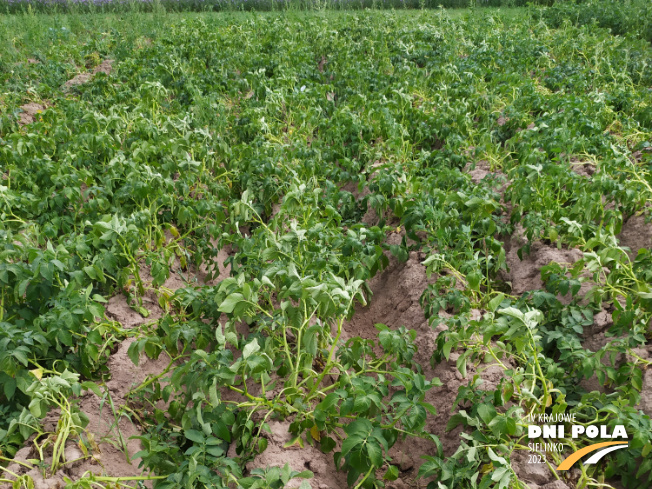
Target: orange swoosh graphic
(570, 461)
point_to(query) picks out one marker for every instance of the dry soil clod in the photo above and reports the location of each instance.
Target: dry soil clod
(105, 67)
(29, 113)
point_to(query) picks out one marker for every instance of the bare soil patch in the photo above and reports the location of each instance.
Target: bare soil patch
(536, 476)
(583, 168)
(308, 458)
(30, 112)
(481, 169)
(106, 67)
(525, 274)
(79, 80)
(478, 171)
(635, 234)
(646, 392)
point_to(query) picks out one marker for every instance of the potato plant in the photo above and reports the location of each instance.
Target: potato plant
(319, 154)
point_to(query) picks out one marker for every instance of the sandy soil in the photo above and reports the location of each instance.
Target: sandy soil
(30, 113)
(636, 234)
(106, 66)
(299, 459)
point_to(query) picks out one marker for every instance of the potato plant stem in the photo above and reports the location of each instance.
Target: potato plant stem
(329, 361)
(149, 381)
(365, 477)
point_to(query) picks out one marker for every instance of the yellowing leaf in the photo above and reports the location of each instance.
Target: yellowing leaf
(37, 372)
(486, 468)
(314, 431)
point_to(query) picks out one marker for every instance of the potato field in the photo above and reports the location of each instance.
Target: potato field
(325, 249)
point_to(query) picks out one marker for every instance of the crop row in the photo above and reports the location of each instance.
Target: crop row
(622, 18)
(246, 136)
